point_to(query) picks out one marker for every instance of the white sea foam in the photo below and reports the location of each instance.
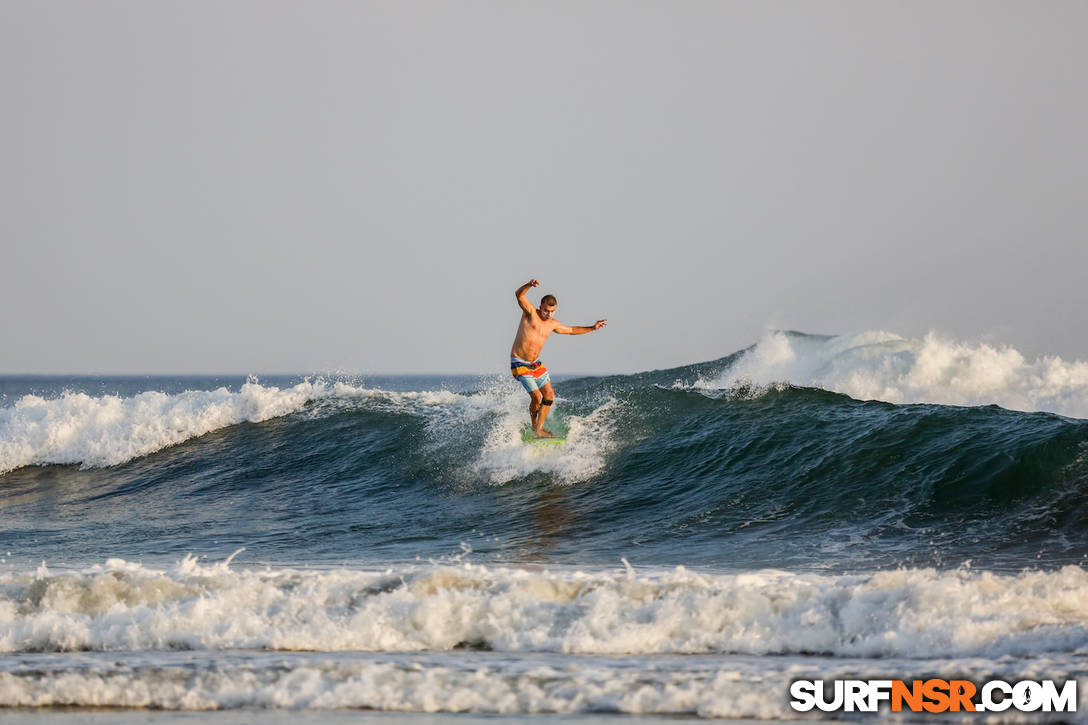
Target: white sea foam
(77, 428)
(505, 457)
(909, 613)
(106, 430)
(388, 687)
(709, 687)
(934, 369)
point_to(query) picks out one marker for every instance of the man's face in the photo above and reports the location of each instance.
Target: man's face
(546, 311)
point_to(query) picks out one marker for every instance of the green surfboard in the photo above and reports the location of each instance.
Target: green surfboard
(527, 437)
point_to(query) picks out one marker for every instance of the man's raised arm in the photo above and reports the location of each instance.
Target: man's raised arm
(579, 329)
(525, 305)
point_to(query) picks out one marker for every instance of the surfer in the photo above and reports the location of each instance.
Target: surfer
(533, 331)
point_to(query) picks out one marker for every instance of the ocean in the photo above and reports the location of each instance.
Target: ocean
(386, 549)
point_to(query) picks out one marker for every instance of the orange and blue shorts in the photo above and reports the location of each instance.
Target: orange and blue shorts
(532, 375)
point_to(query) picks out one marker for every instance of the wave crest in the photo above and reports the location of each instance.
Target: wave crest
(907, 612)
(107, 430)
(888, 367)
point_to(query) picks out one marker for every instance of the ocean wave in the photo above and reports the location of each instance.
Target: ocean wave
(904, 613)
(703, 687)
(107, 430)
(76, 428)
(934, 369)
(793, 477)
(391, 687)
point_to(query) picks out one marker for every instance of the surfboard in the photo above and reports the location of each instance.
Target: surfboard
(527, 437)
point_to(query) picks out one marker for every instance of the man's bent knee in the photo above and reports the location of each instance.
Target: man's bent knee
(536, 395)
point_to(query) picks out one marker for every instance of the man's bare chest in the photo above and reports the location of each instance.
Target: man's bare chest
(536, 329)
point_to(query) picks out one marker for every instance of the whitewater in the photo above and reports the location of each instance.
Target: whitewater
(934, 369)
(810, 506)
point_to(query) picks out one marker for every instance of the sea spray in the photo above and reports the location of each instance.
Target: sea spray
(899, 613)
(934, 369)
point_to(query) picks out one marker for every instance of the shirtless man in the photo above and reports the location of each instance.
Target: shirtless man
(533, 330)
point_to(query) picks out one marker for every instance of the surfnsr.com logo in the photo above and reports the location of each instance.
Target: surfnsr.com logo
(933, 695)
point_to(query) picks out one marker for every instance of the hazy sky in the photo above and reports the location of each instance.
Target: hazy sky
(306, 186)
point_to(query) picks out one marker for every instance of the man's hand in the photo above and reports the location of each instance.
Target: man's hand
(580, 330)
(519, 294)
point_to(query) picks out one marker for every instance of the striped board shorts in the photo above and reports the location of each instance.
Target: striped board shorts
(532, 375)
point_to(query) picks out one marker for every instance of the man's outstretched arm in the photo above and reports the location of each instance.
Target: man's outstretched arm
(579, 329)
(523, 302)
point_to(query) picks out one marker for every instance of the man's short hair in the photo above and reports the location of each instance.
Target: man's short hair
(548, 300)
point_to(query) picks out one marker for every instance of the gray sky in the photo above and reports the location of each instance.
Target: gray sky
(304, 186)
